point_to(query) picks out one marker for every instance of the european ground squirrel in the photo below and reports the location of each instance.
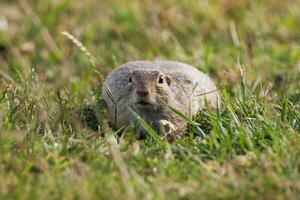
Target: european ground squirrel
(146, 87)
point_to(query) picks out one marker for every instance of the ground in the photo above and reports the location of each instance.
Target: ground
(54, 139)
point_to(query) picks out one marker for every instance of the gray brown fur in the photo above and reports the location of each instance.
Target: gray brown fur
(183, 88)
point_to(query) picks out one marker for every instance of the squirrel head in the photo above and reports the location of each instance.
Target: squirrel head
(148, 89)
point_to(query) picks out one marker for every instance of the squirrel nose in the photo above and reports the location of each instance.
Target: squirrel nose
(142, 93)
(142, 90)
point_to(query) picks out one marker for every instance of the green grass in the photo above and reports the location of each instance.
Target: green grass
(51, 146)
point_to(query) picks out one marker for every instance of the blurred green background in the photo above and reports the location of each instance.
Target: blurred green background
(212, 35)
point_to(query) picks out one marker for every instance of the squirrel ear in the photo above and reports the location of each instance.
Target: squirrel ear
(169, 80)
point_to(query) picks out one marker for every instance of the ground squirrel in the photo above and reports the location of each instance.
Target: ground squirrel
(146, 87)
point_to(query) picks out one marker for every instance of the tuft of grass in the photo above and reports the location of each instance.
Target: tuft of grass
(82, 48)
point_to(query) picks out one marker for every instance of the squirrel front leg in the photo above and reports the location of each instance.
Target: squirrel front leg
(141, 133)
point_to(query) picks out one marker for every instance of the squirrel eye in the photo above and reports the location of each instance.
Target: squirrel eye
(161, 79)
(130, 79)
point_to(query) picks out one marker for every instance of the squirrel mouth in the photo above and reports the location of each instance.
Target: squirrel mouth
(143, 103)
